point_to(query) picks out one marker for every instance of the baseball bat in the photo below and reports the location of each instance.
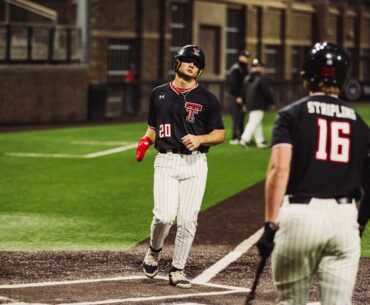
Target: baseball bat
(251, 295)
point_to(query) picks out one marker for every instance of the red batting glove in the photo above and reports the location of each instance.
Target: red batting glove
(142, 147)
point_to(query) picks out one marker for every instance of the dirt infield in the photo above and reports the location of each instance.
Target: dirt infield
(73, 277)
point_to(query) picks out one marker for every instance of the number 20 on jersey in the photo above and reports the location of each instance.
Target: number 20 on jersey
(164, 131)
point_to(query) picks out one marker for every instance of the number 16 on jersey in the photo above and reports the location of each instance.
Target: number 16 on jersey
(333, 141)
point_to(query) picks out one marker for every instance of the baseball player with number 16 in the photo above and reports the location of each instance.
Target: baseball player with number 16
(184, 121)
(318, 157)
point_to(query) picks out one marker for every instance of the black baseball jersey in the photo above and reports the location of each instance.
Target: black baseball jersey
(329, 142)
(174, 114)
(256, 93)
(235, 77)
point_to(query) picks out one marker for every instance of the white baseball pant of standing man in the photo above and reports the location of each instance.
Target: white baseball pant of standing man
(179, 185)
(254, 127)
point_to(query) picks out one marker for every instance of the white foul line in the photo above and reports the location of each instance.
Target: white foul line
(41, 155)
(72, 282)
(100, 143)
(86, 156)
(156, 298)
(231, 257)
(110, 151)
(99, 280)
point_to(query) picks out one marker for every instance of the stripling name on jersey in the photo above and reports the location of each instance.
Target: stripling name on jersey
(331, 110)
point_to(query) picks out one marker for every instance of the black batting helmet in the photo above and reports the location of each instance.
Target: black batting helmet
(326, 64)
(192, 52)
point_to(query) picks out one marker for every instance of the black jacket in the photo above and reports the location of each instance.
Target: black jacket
(235, 77)
(255, 92)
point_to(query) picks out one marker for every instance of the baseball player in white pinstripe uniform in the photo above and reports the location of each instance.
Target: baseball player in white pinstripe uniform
(319, 148)
(184, 120)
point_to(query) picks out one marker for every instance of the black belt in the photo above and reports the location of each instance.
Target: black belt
(181, 151)
(300, 199)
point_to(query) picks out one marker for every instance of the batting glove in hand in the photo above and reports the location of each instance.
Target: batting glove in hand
(142, 147)
(266, 243)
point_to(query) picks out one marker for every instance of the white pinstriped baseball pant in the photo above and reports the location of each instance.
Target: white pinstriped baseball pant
(179, 185)
(321, 237)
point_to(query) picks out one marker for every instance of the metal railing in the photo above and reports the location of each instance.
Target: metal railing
(34, 8)
(38, 43)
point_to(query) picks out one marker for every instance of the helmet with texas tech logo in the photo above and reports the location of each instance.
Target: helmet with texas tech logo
(193, 53)
(326, 65)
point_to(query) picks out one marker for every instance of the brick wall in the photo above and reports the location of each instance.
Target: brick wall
(30, 95)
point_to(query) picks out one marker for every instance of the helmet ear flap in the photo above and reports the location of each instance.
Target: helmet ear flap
(199, 73)
(177, 64)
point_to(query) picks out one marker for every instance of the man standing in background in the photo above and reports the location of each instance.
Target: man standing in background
(257, 97)
(235, 78)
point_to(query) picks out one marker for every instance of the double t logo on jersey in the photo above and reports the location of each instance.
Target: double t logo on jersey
(192, 109)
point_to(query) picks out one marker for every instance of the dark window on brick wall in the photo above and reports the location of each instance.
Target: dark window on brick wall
(121, 60)
(354, 63)
(180, 27)
(298, 56)
(365, 65)
(234, 35)
(272, 58)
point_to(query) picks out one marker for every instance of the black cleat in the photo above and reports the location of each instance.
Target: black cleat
(245, 144)
(263, 144)
(150, 264)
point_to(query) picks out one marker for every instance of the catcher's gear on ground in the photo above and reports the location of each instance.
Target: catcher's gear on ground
(252, 294)
(266, 243)
(326, 64)
(142, 147)
(192, 53)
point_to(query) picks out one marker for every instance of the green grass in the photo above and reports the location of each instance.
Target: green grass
(103, 203)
